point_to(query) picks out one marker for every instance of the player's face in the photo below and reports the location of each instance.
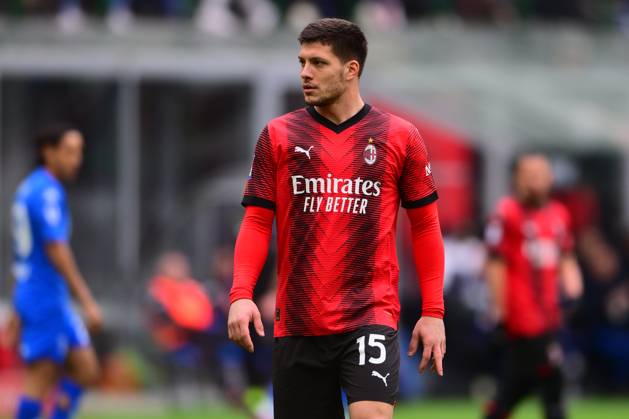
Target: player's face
(66, 158)
(533, 180)
(323, 75)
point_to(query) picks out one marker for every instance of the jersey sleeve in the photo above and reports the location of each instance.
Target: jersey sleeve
(261, 186)
(495, 233)
(428, 254)
(47, 211)
(565, 237)
(417, 186)
(250, 251)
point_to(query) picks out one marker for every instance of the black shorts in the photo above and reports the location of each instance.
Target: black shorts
(530, 364)
(527, 357)
(310, 371)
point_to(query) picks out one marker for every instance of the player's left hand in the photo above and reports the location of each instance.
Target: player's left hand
(93, 316)
(432, 333)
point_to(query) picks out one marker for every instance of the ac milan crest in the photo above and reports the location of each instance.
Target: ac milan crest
(370, 154)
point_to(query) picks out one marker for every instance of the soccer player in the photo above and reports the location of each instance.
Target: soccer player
(333, 175)
(54, 342)
(530, 247)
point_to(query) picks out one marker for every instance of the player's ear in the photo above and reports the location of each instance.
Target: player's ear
(352, 68)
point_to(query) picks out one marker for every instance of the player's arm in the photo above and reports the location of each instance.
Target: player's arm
(252, 243)
(495, 266)
(47, 217)
(570, 277)
(428, 254)
(495, 275)
(10, 331)
(250, 253)
(10, 335)
(62, 258)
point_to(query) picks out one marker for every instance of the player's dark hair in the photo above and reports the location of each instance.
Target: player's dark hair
(50, 136)
(347, 40)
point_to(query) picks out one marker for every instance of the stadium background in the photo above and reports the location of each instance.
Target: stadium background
(171, 95)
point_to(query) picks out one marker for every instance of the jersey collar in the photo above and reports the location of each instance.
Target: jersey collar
(338, 128)
(46, 173)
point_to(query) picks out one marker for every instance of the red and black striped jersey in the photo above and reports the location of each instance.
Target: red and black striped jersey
(336, 190)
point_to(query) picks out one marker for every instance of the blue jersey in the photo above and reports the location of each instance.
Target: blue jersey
(40, 215)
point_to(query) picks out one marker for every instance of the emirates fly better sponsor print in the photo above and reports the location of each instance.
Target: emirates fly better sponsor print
(348, 195)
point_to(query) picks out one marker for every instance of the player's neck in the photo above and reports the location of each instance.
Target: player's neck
(343, 109)
(531, 204)
(50, 170)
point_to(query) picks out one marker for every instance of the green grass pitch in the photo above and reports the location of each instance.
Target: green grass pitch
(441, 409)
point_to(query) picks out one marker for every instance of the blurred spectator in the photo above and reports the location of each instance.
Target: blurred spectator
(384, 15)
(467, 300)
(373, 14)
(119, 13)
(71, 18)
(239, 370)
(623, 16)
(227, 17)
(485, 10)
(181, 315)
(180, 304)
(299, 13)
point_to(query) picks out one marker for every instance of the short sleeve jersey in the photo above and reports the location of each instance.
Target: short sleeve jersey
(39, 215)
(531, 242)
(336, 191)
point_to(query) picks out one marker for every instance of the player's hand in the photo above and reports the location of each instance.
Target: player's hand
(241, 313)
(431, 332)
(11, 334)
(93, 316)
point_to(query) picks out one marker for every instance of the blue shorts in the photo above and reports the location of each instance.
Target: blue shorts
(51, 334)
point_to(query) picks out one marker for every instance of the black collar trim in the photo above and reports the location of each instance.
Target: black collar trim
(343, 125)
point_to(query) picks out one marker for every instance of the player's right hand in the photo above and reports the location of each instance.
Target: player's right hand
(241, 313)
(93, 316)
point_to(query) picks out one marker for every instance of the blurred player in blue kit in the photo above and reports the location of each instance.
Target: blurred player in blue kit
(53, 340)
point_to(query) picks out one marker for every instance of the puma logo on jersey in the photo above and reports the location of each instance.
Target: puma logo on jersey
(384, 379)
(428, 169)
(301, 150)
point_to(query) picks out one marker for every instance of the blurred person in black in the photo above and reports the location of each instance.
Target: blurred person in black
(530, 260)
(603, 317)
(239, 372)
